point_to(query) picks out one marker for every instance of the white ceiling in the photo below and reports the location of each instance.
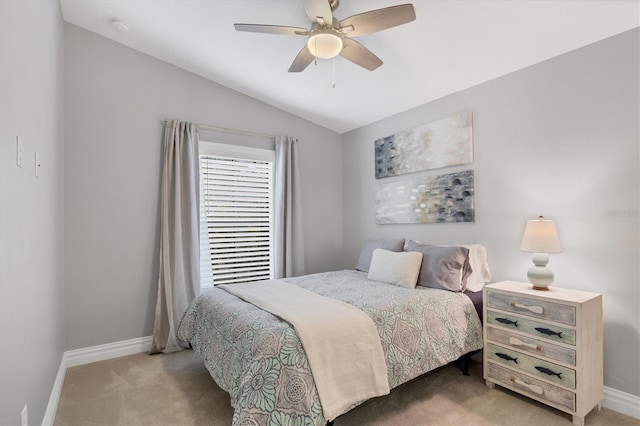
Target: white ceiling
(452, 45)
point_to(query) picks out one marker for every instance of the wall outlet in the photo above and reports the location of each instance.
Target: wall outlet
(25, 416)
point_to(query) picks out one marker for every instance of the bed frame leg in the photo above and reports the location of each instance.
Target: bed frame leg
(466, 360)
(465, 364)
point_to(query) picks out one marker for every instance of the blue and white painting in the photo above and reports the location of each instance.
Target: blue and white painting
(442, 143)
(434, 199)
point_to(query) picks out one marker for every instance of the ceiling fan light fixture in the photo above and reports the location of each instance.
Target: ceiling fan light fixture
(325, 43)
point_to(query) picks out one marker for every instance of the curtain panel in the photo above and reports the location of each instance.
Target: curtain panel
(179, 275)
(288, 241)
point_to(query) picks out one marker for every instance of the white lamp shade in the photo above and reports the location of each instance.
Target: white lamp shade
(325, 44)
(541, 236)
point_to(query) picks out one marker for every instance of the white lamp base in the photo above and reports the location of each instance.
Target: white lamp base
(539, 275)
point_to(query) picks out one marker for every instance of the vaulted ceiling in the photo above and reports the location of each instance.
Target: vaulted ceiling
(452, 45)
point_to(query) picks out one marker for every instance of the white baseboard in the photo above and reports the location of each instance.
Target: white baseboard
(110, 350)
(613, 399)
(86, 356)
(621, 402)
(54, 398)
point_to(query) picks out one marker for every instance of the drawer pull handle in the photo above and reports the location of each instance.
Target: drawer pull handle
(532, 388)
(549, 332)
(535, 309)
(549, 372)
(507, 321)
(518, 342)
(507, 357)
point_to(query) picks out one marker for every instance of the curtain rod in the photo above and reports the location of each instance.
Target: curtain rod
(231, 131)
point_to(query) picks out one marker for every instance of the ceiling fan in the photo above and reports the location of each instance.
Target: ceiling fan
(328, 37)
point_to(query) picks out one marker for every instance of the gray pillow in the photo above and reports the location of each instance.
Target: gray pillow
(370, 245)
(445, 267)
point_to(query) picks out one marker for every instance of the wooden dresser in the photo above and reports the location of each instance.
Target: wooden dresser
(545, 344)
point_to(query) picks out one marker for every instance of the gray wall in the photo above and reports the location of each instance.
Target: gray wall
(114, 99)
(561, 139)
(31, 209)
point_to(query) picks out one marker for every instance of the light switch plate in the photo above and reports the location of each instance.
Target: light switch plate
(19, 151)
(37, 164)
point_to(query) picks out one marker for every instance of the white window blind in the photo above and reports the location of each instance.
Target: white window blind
(237, 203)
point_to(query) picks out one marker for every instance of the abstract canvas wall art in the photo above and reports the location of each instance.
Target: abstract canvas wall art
(442, 143)
(443, 198)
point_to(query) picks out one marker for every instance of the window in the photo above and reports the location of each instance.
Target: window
(236, 194)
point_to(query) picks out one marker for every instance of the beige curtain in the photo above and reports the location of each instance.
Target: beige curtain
(289, 243)
(179, 276)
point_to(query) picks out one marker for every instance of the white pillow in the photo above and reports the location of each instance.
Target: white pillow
(397, 268)
(479, 266)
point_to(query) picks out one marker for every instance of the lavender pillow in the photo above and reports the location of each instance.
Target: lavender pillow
(444, 267)
(370, 245)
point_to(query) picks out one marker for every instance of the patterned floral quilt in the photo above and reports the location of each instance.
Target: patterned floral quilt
(259, 360)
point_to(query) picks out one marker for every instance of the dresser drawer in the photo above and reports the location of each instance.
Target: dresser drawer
(533, 346)
(534, 328)
(549, 311)
(530, 386)
(532, 366)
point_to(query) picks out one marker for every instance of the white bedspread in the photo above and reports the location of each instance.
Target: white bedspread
(341, 342)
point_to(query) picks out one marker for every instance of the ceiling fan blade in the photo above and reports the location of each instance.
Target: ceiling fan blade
(271, 29)
(378, 20)
(359, 55)
(318, 9)
(301, 61)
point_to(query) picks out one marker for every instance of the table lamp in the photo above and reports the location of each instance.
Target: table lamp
(540, 237)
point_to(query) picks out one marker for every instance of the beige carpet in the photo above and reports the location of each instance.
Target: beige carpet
(176, 389)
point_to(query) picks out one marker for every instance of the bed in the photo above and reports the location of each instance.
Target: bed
(259, 360)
